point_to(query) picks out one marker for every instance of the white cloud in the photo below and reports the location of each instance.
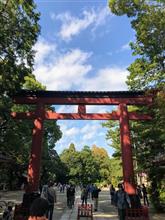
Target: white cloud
(67, 109)
(80, 135)
(65, 72)
(98, 109)
(86, 133)
(72, 25)
(108, 79)
(72, 131)
(101, 16)
(125, 47)
(71, 71)
(43, 48)
(89, 131)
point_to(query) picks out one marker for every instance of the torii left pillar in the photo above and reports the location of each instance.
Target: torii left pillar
(36, 151)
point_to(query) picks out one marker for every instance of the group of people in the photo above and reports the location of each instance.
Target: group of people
(90, 191)
(141, 193)
(122, 200)
(119, 198)
(42, 207)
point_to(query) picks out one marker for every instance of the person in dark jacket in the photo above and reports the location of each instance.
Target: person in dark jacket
(51, 197)
(122, 201)
(145, 197)
(112, 193)
(95, 197)
(70, 193)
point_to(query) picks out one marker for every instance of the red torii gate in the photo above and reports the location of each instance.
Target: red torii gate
(120, 98)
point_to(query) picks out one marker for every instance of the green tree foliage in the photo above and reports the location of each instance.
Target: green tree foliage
(71, 158)
(149, 139)
(113, 134)
(87, 166)
(146, 72)
(19, 31)
(116, 170)
(103, 161)
(148, 20)
(17, 140)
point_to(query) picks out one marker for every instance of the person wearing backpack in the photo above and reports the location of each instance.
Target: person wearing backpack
(122, 202)
(51, 197)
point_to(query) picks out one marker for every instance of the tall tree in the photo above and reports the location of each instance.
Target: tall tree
(71, 158)
(148, 71)
(89, 167)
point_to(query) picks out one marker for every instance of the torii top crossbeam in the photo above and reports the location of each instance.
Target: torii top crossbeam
(83, 97)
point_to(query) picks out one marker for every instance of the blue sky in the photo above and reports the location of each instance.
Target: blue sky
(82, 47)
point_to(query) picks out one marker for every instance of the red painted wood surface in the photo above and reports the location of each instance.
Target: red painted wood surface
(81, 109)
(127, 160)
(36, 152)
(49, 115)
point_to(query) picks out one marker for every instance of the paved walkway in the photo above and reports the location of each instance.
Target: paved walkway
(105, 210)
(61, 212)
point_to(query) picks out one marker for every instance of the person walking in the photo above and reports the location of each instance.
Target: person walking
(70, 196)
(39, 209)
(112, 193)
(95, 197)
(122, 201)
(51, 197)
(145, 197)
(84, 195)
(139, 192)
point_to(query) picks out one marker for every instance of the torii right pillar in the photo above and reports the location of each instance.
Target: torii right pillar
(127, 159)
